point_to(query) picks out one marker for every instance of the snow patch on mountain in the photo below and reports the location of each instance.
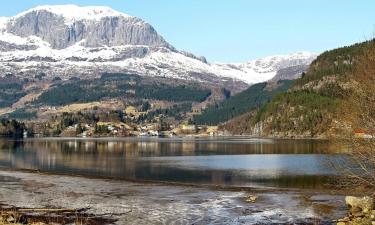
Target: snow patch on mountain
(145, 53)
(262, 69)
(156, 62)
(17, 40)
(73, 13)
(3, 23)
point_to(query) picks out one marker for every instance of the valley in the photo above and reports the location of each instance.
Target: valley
(51, 67)
(104, 121)
(170, 106)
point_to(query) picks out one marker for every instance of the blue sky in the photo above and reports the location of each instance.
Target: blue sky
(240, 30)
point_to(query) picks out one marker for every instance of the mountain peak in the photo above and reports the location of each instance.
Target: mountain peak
(72, 13)
(3, 22)
(73, 40)
(62, 26)
(295, 56)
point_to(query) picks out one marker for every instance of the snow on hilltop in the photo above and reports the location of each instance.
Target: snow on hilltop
(68, 40)
(262, 69)
(3, 22)
(73, 13)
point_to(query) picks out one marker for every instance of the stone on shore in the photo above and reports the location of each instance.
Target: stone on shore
(251, 198)
(356, 205)
(361, 211)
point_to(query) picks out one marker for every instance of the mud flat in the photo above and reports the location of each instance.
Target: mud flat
(154, 203)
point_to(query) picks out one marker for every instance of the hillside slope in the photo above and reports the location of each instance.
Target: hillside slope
(332, 98)
(252, 98)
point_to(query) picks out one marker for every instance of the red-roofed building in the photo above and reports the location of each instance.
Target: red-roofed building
(359, 133)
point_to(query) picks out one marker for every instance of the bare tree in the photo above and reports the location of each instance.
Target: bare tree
(359, 111)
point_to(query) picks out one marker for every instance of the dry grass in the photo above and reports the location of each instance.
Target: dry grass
(108, 105)
(26, 99)
(6, 110)
(42, 216)
(6, 223)
(359, 111)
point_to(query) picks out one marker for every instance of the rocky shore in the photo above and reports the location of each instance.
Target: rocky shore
(101, 201)
(361, 211)
(10, 215)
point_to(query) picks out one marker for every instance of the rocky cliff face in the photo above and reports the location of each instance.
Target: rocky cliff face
(290, 73)
(60, 31)
(68, 40)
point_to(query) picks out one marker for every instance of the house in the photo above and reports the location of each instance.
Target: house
(361, 134)
(189, 128)
(212, 130)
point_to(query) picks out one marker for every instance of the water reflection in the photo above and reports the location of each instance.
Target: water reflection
(231, 161)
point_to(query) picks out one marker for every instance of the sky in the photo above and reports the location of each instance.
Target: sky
(241, 30)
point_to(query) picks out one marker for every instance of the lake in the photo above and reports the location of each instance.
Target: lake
(237, 161)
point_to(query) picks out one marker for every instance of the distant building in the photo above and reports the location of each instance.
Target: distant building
(212, 130)
(361, 134)
(190, 128)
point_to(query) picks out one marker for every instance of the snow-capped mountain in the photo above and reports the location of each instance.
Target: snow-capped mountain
(67, 40)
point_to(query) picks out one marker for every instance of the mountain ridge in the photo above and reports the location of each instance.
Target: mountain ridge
(333, 98)
(42, 40)
(76, 13)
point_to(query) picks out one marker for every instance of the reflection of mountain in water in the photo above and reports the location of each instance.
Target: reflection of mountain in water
(290, 163)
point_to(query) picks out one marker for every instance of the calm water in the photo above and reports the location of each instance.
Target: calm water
(229, 161)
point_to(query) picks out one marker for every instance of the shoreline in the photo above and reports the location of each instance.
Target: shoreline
(129, 202)
(154, 200)
(234, 188)
(183, 137)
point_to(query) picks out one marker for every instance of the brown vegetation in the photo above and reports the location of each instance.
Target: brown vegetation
(359, 112)
(41, 216)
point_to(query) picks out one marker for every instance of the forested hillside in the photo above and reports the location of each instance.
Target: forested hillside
(252, 98)
(325, 100)
(10, 90)
(120, 86)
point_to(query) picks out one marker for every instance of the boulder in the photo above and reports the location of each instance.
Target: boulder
(356, 204)
(251, 198)
(360, 221)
